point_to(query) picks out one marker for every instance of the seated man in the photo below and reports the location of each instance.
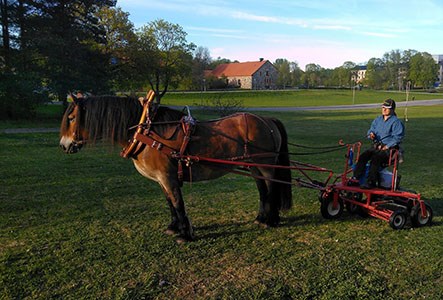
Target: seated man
(387, 132)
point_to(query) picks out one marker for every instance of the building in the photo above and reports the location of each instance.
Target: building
(358, 74)
(439, 60)
(253, 75)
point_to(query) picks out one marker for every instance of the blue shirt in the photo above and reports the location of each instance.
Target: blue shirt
(389, 132)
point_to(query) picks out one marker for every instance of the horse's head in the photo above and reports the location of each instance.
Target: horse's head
(72, 131)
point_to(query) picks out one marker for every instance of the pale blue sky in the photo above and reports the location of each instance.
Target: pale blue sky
(324, 32)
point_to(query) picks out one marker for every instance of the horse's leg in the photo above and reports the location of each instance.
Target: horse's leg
(262, 191)
(269, 206)
(173, 226)
(182, 225)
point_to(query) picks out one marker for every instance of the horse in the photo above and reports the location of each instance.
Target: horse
(241, 137)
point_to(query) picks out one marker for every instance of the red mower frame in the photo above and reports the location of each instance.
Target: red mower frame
(395, 205)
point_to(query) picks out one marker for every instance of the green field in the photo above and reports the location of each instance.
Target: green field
(88, 226)
(297, 97)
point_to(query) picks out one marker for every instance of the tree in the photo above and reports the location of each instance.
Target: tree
(423, 70)
(162, 55)
(374, 73)
(200, 62)
(55, 46)
(296, 74)
(18, 78)
(120, 37)
(283, 67)
(312, 75)
(69, 36)
(219, 61)
(6, 49)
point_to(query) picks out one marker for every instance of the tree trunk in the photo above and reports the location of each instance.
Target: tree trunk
(5, 33)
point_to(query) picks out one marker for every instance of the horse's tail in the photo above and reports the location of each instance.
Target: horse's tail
(283, 190)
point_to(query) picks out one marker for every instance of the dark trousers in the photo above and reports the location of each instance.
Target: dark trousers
(377, 157)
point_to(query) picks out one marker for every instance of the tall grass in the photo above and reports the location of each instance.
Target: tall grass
(88, 226)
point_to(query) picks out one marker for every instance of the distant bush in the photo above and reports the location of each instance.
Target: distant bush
(18, 100)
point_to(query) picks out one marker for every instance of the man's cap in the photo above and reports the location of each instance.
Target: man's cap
(389, 103)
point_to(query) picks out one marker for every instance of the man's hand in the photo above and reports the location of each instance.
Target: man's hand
(371, 135)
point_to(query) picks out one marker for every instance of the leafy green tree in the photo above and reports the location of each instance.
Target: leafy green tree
(120, 37)
(200, 62)
(18, 77)
(296, 74)
(51, 46)
(423, 70)
(69, 36)
(219, 61)
(374, 73)
(283, 67)
(312, 75)
(162, 56)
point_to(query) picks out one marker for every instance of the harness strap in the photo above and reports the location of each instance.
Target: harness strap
(134, 145)
(187, 126)
(246, 154)
(149, 141)
(146, 137)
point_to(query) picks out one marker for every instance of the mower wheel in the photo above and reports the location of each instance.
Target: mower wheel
(328, 211)
(417, 219)
(398, 219)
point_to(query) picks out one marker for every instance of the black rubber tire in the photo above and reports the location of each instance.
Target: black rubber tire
(351, 207)
(398, 219)
(327, 207)
(416, 218)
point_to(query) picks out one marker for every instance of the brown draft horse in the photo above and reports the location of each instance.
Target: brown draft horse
(242, 136)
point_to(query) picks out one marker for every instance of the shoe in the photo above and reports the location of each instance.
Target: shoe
(353, 182)
(367, 186)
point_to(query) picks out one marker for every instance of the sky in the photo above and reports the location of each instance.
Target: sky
(323, 32)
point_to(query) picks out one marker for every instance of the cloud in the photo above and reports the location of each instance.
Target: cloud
(379, 34)
(251, 17)
(213, 30)
(332, 27)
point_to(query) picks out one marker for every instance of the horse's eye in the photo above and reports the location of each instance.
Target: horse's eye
(71, 119)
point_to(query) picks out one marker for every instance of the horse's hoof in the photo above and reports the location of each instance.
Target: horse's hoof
(170, 232)
(181, 240)
(261, 224)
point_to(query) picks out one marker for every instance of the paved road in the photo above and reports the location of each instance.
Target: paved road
(305, 108)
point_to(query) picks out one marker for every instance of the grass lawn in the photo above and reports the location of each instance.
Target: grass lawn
(296, 97)
(88, 226)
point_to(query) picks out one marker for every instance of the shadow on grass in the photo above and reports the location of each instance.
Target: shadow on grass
(217, 230)
(317, 220)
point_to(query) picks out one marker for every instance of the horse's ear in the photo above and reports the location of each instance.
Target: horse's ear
(70, 97)
(75, 99)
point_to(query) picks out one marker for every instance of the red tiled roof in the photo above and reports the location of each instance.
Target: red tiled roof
(238, 69)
